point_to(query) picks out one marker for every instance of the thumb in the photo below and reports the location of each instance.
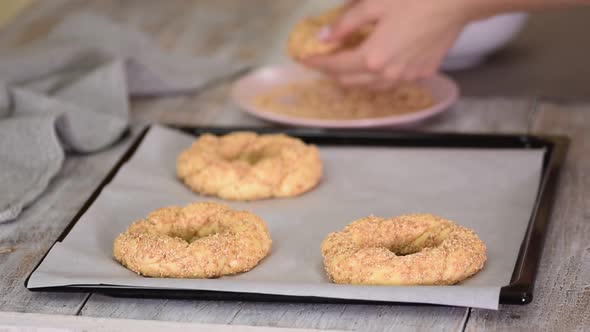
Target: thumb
(356, 15)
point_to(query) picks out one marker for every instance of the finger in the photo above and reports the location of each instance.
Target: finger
(357, 80)
(349, 61)
(410, 75)
(432, 60)
(383, 85)
(389, 78)
(426, 71)
(393, 72)
(380, 50)
(357, 15)
(428, 67)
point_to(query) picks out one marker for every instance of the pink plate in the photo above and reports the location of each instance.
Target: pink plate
(244, 90)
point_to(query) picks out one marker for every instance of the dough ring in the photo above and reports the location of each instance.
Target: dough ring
(414, 249)
(304, 39)
(201, 240)
(248, 166)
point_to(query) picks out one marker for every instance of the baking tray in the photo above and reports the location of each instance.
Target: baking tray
(520, 289)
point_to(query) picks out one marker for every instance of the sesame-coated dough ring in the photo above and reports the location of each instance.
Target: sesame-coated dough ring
(200, 240)
(248, 166)
(304, 39)
(414, 249)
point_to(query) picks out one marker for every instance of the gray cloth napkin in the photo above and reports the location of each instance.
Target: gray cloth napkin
(70, 91)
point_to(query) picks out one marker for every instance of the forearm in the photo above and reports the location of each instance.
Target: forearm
(479, 9)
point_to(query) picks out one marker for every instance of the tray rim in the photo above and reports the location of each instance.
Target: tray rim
(518, 291)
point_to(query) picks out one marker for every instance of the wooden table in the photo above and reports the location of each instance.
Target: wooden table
(253, 31)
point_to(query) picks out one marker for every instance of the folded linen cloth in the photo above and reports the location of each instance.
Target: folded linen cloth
(70, 91)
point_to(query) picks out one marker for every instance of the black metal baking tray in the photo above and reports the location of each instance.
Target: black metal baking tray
(520, 289)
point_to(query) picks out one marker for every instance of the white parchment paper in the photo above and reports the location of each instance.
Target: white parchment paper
(489, 190)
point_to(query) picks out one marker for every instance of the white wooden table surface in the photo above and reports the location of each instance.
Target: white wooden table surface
(253, 31)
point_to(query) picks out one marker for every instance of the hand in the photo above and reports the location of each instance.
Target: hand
(409, 40)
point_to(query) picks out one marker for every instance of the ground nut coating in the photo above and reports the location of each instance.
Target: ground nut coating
(201, 240)
(247, 166)
(414, 249)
